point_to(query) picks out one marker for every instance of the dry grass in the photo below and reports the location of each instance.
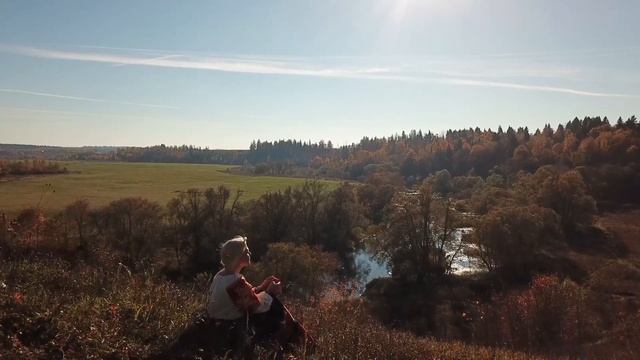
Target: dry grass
(51, 309)
(346, 330)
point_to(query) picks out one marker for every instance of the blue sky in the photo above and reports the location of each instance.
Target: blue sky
(222, 73)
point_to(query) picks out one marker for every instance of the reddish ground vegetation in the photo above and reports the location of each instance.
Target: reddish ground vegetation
(52, 309)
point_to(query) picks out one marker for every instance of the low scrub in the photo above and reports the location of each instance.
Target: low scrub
(52, 309)
(550, 314)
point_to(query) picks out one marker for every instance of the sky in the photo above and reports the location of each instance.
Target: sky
(220, 74)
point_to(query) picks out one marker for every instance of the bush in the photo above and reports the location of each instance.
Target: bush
(134, 226)
(345, 330)
(487, 198)
(550, 313)
(305, 271)
(565, 193)
(508, 239)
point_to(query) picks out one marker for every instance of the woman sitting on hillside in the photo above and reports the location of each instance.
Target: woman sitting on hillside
(251, 315)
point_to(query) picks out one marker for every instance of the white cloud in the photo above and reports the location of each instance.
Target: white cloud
(460, 73)
(187, 62)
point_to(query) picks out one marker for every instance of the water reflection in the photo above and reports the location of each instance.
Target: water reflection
(464, 262)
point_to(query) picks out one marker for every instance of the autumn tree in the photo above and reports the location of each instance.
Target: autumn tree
(420, 229)
(611, 183)
(441, 182)
(510, 238)
(78, 216)
(308, 200)
(186, 226)
(198, 222)
(221, 217)
(341, 219)
(269, 219)
(565, 193)
(376, 193)
(133, 226)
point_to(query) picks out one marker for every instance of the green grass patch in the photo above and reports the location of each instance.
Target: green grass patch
(102, 182)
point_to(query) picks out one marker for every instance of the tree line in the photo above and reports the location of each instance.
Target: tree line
(180, 154)
(29, 167)
(587, 142)
(190, 228)
(411, 229)
(606, 154)
(599, 149)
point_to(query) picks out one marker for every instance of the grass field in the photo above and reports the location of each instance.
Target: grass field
(102, 182)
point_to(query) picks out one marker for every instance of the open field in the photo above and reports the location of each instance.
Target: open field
(102, 182)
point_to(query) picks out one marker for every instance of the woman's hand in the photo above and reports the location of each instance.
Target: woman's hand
(264, 286)
(275, 288)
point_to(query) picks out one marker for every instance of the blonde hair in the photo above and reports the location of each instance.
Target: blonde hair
(232, 250)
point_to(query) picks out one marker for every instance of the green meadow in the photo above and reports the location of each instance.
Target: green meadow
(102, 182)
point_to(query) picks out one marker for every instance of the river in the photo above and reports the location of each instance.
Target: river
(463, 263)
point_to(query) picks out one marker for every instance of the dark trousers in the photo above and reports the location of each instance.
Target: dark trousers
(268, 325)
(276, 328)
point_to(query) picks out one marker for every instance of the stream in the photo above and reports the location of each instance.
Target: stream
(463, 263)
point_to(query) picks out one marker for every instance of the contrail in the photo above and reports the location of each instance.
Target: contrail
(243, 65)
(467, 82)
(72, 113)
(142, 62)
(78, 98)
(215, 64)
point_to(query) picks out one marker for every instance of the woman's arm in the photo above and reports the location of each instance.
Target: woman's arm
(265, 284)
(245, 297)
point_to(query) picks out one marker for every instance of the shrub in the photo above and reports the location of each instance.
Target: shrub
(346, 330)
(305, 271)
(509, 239)
(198, 222)
(565, 193)
(550, 313)
(134, 226)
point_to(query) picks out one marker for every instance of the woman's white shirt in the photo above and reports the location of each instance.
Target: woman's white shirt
(220, 306)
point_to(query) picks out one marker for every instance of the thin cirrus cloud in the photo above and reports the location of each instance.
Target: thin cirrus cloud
(533, 87)
(469, 77)
(142, 62)
(79, 98)
(12, 110)
(184, 62)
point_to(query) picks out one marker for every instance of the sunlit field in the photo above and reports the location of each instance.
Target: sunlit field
(102, 182)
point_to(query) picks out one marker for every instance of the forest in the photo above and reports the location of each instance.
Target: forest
(592, 142)
(554, 224)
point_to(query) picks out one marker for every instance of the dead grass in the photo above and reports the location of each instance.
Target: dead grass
(52, 309)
